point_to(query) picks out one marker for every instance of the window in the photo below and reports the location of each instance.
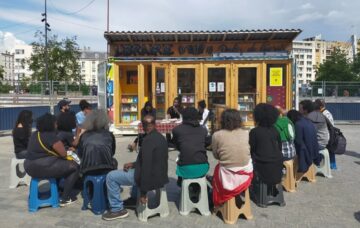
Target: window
(309, 56)
(308, 75)
(19, 51)
(308, 69)
(301, 81)
(309, 63)
(82, 64)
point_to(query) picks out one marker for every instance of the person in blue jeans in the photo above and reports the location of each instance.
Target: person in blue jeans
(147, 173)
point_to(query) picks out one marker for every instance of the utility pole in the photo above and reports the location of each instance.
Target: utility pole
(47, 28)
(107, 29)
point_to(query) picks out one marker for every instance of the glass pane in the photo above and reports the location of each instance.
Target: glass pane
(217, 86)
(186, 86)
(160, 93)
(246, 92)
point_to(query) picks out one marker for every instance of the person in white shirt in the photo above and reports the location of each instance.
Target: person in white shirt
(203, 114)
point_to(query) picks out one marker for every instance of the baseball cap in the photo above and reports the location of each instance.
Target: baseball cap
(63, 102)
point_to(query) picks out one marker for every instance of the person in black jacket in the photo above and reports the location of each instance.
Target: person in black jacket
(148, 172)
(189, 139)
(96, 148)
(21, 133)
(66, 122)
(265, 145)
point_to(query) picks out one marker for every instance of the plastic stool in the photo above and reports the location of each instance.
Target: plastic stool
(324, 167)
(98, 201)
(16, 176)
(186, 205)
(230, 210)
(143, 211)
(288, 181)
(264, 194)
(34, 200)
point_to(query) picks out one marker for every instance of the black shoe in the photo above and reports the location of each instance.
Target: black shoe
(108, 216)
(66, 202)
(130, 203)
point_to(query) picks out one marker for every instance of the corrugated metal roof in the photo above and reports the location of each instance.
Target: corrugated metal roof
(190, 36)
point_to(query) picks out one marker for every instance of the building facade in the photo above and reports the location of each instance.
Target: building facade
(22, 53)
(89, 61)
(311, 52)
(7, 62)
(227, 69)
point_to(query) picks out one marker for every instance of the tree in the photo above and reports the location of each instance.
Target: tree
(2, 73)
(62, 59)
(356, 66)
(336, 68)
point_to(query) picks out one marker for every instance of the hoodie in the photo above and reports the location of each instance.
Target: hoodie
(318, 119)
(189, 139)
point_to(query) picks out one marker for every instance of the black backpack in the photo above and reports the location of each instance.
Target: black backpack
(337, 141)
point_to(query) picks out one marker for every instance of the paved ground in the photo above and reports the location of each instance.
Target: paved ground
(327, 203)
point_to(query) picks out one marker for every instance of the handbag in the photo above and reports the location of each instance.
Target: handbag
(68, 157)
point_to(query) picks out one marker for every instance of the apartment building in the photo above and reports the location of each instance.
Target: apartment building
(88, 62)
(22, 52)
(7, 62)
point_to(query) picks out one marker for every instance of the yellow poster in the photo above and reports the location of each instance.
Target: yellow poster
(276, 76)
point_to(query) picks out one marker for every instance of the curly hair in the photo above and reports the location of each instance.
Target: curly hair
(25, 119)
(96, 120)
(265, 115)
(190, 114)
(230, 119)
(46, 123)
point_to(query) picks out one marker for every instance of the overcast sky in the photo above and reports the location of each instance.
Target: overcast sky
(86, 19)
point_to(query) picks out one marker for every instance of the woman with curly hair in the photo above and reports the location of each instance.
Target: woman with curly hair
(21, 133)
(265, 145)
(234, 172)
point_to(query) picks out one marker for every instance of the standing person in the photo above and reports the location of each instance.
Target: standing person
(85, 109)
(265, 145)
(97, 145)
(148, 109)
(148, 172)
(64, 105)
(203, 114)
(306, 143)
(189, 139)
(66, 122)
(320, 106)
(174, 112)
(286, 129)
(234, 171)
(46, 157)
(21, 133)
(307, 109)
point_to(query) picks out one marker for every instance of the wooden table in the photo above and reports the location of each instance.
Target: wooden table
(162, 127)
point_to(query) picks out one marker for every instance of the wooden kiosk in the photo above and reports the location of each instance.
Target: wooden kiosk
(237, 69)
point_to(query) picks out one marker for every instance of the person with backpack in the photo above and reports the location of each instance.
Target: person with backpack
(287, 134)
(320, 106)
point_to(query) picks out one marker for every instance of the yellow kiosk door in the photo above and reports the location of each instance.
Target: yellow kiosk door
(160, 89)
(187, 84)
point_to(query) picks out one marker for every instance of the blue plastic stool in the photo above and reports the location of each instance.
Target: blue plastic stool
(35, 201)
(98, 201)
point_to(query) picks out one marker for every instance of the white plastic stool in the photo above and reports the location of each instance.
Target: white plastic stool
(18, 174)
(143, 211)
(324, 167)
(186, 205)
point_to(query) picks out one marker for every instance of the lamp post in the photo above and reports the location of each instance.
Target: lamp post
(47, 28)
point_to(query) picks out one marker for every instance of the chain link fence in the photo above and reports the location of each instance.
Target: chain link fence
(330, 89)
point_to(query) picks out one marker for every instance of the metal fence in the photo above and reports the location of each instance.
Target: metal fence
(330, 89)
(64, 88)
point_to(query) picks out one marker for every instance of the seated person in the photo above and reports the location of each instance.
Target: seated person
(265, 145)
(66, 122)
(174, 112)
(96, 148)
(234, 171)
(46, 157)
(21, 133)
(147, 173)
(287, 134)
(147, 110)
(306, 143)
(203, 114)
(189, 139)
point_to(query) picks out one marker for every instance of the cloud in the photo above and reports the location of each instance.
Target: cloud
(307, 17)
(307, 6)
(8, 41)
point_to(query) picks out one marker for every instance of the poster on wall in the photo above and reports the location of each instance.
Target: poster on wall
(212, 86)
(162, 86)
(220, 87)
(276, 76)
(131, 77)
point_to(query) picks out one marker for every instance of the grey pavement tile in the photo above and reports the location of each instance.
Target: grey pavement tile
(326, 203)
